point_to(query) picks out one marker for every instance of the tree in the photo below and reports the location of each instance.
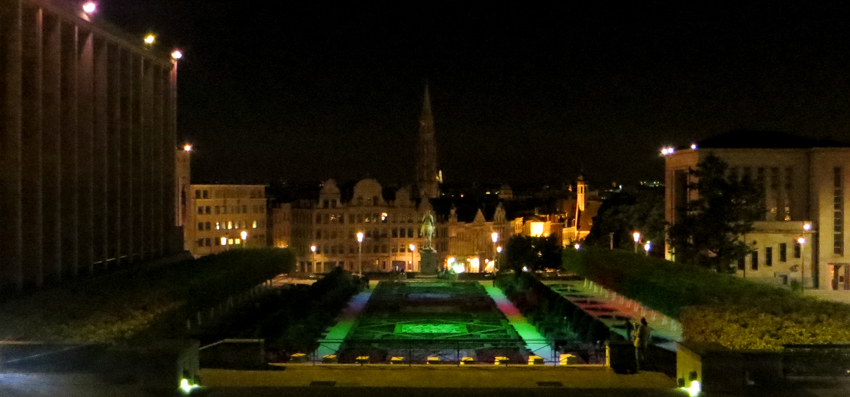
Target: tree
(626, 212)
(535, 253)
(709, 231)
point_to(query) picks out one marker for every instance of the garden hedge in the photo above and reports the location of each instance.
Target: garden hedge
(134, 301)
(713, 307)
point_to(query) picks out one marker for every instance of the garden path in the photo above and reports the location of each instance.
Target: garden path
(534, 340)
(331, 342)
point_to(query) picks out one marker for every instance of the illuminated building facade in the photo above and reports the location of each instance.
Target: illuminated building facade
(805, 200)
(468, 243)
(223, 217)
(331, 223)
(87, 137)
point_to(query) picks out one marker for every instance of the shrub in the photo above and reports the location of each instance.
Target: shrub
(714, 307)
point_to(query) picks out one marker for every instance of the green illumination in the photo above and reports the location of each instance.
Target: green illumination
(694, 390)
(187, 387)
(433, 328)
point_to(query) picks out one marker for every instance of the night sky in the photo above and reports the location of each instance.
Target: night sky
(273, 91)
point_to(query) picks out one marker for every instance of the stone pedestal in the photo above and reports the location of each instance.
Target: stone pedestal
(428, 261)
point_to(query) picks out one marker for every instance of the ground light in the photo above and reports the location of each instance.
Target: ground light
(694, 389)
(187, 387)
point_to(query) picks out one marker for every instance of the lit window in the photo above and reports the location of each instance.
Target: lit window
(236, 225)
(237, 241)
(229, 224)
(224, 241)
(218, 226)
(255, 224)
(230, 241)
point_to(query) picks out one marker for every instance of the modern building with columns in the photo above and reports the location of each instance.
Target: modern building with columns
(802, 235)
(87, 145)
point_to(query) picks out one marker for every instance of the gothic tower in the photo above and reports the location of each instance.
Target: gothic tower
(428, 177)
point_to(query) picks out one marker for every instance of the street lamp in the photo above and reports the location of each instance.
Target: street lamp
(360, 253)
(636, 236)
(647, 247)
(313, 258)
(244, 235)
(495, 237)
(802, 241)
(412, 248)
(89, 7)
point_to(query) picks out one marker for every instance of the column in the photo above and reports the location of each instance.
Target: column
(10, 146)
(31, 149)
(52, 148)
(68, 130)
(85, 165)
(100, 152)
(128, 218)
(114, 197)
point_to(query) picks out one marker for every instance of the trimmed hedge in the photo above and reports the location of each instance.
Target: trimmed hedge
(137, 301)
(714, 307)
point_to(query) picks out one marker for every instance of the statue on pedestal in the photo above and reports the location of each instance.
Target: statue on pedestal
(427, 255)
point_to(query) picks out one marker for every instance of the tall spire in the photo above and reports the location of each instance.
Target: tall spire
(428, 176)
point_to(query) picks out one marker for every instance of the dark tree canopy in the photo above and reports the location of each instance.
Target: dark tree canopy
(626, 212)
(709, 231)
(535, 253)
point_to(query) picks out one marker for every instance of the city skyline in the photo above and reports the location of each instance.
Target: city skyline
(530, 95)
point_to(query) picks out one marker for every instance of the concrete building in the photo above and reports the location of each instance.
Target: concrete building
(87, 137)
(223, 217)
(804, 183)
(183, 184)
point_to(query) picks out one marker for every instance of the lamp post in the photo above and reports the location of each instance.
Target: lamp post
(802, 241)
(495, 265)
(244, 236)
(636, 236)
(495, 237)
(647, 247)
(412, 248)
(360, 253)
(313, 258)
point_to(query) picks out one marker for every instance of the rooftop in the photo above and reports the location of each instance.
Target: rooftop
(755, 139)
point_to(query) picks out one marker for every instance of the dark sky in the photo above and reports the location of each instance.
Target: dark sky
(279, 91)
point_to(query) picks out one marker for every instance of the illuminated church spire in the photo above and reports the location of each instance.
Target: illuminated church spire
(428, 177)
